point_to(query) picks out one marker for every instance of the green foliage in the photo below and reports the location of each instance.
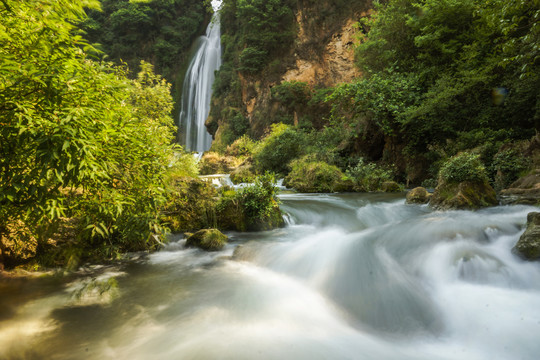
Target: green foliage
(252, 60)
(275, 151)
(313, 176)
(253, 207)
(368, 176)
(292, 94)
(259, 199)
(243, 146)
(437, 69)
(463, 167)
(78, 138)
(256, 32)
(507, 166)
(157, 31)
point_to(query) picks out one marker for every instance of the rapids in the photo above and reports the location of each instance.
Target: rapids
(352, 276)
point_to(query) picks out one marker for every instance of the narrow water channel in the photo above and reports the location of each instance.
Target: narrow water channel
(355, 276)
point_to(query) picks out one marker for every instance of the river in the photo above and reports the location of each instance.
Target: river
(352, 276)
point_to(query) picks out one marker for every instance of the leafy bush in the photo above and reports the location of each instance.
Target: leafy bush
(507, 166)
(313, 176)
(243, 146)
(291, 93)
(368, 176)
(252, 60)
(79, 140)
(250, 208)
(275, 151)
(463, 167)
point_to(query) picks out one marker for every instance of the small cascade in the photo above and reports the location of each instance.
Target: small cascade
(197, 89)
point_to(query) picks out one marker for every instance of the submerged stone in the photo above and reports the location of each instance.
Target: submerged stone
(208, 240)
(528, 245)
(418, 195)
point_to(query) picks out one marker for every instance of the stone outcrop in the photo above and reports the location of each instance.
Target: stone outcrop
(525, 190)
(418, 195)
(207, 239)
(466, 195)
(528, 246)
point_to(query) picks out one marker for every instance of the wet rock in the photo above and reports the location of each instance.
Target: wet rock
(528, 245)
(465, 195)
(525, 190)
(207, 239)
(418, 195)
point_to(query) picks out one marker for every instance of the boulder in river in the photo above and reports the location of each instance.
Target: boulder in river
(207, 239)
(466, 195)
(528, 245)
(418, 195)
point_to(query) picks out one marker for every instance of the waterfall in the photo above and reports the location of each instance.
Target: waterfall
(197, 89)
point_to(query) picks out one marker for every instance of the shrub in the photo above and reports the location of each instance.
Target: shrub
(313, 176)
(291, 94)
(250, 208)
(463, 167)
(282, 145)
(507, 166)
(243, 146)
(368, 176)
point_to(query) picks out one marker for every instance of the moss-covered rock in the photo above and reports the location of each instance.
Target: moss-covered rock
(313, 176)
(463, 184)
(418, 195)
(243, 174)
(233, 215)
(252, 208)
(214, 163)
(528, 246)
(207, 239)
(467, 195)
(391, 186)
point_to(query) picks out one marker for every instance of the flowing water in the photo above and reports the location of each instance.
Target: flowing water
(197, 89)
(353, 276)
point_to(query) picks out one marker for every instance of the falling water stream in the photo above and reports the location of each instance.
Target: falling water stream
(197, 88)
(351, 276)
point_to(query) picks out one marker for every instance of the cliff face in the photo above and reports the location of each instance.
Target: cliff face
(321, 56)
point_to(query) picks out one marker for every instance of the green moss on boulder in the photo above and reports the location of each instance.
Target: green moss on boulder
(243, 174)
(418, 195)
(391, 186)
(463, 184)
(207, 239)
(466, 195)
(528, 245)
(313, 176)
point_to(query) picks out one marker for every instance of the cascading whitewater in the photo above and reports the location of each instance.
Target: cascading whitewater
(197, 89)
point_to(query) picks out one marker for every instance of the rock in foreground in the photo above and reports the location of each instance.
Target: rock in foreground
(528, 246)
(207, 239)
